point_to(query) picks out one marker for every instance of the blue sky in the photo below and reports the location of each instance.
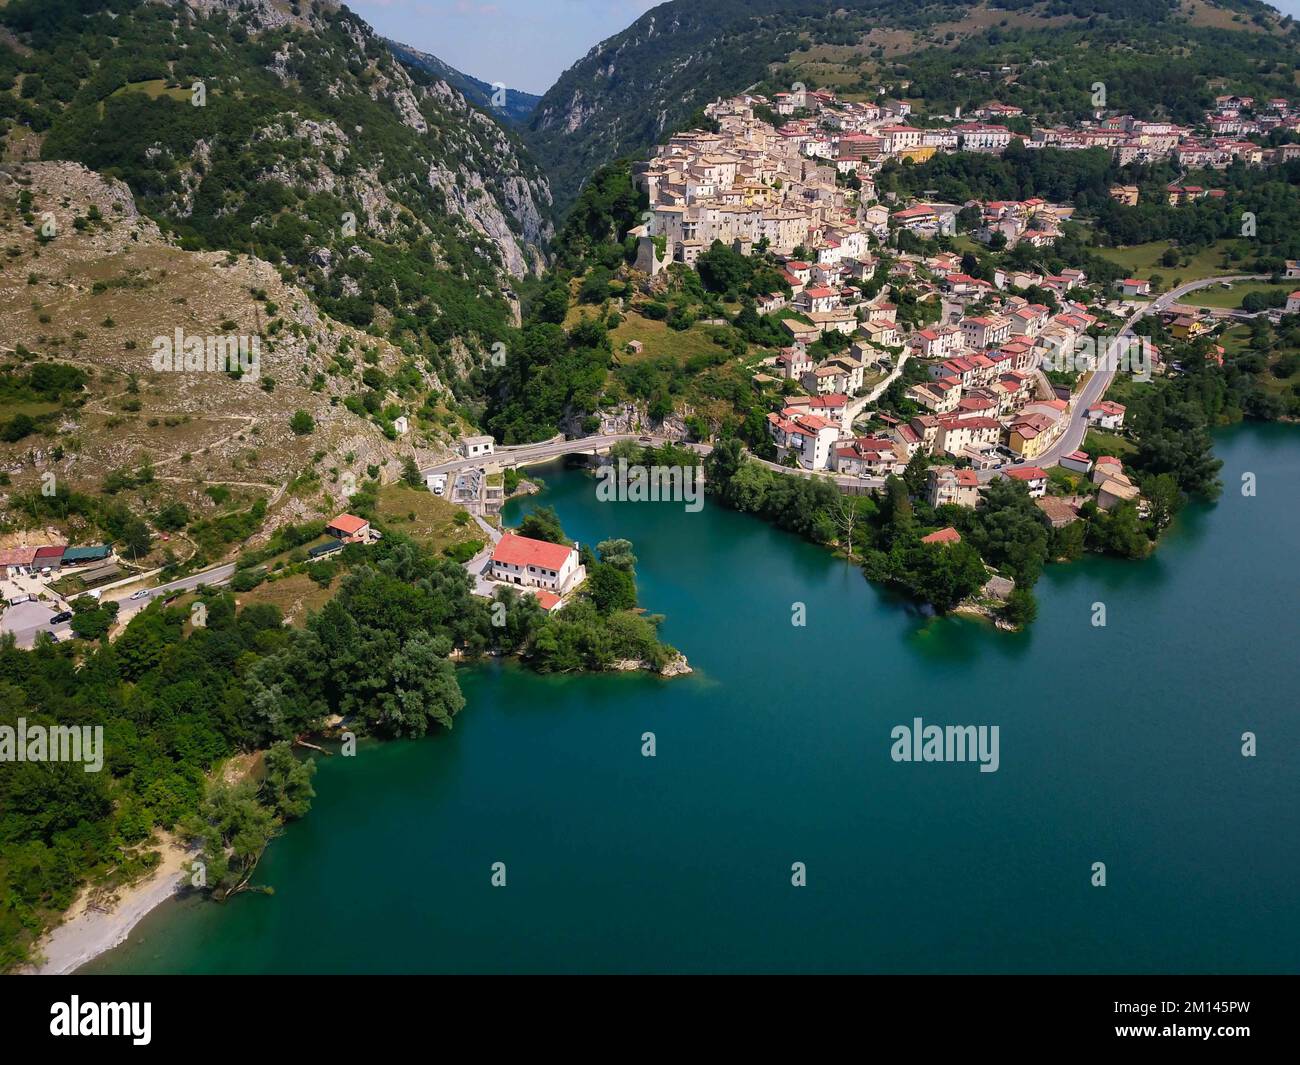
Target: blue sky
(526, 44)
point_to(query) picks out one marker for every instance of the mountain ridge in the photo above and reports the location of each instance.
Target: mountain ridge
(635, 88)
(519, 105)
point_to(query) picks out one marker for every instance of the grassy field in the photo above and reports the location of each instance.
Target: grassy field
(1232, 297)
(1235, 340)
(424, 517)
(295, 596)
(1143, 260)
(1097, 443)
(660, 340)
(154, 89)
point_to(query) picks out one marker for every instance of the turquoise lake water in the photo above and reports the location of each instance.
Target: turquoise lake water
(1119, 744)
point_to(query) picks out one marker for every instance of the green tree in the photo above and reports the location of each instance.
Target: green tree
(542, 523)
(1009, 531)
(617, 553)
(1021, 607)
(286, 786)
(411, 475)
(419, 688)
(233, 829)
(611, 588)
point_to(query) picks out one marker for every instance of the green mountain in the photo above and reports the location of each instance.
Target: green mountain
(243, 168)
(287, 129)
(518, 106)
(1155, 56)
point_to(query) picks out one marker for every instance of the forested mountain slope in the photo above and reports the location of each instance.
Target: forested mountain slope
(633, 89)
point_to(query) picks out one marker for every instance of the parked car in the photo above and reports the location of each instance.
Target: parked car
(61, 617)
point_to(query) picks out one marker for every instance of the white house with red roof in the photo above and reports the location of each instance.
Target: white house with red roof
(964, 285)
(981, 137)
(986, 331)
(956, 434)
(948, 485)
(914, 218)
(906, 437)
(1028, 321)
(940, 342)
(834, 406)
(819, 298)
(808, 437)
(1107, 414)
(940, 396)
(1077, 461)
(1293, 303)
(968, 370)
(794, 362)
(529, 563)
(17, 561)
(1032, 477)
(800, 271)
(870, 456)
(900, 138)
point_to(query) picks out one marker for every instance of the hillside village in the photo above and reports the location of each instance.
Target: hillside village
(804, 192)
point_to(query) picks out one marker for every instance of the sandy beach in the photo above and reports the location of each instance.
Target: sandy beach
(88, 931)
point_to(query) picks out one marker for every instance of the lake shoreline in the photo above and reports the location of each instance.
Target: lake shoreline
(87, 931)
(544, 752)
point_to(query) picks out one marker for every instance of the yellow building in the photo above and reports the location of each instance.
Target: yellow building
(1187, 327)
(920, 154)
(1031, 434)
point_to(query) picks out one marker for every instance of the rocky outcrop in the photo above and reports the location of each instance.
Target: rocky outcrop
(677, 667)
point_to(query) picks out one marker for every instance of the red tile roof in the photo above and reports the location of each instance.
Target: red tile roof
(548, 601)
(1027, 473)
(523, 551)
(348, 524)
(943, 536)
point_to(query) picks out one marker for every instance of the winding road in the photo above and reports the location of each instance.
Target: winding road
(217, 575)
(1100, 380)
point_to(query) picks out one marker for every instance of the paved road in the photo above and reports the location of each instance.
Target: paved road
(1095, 387)
(525, 454)
(25, 630)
